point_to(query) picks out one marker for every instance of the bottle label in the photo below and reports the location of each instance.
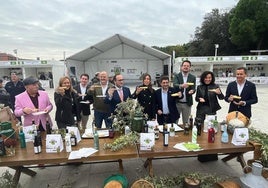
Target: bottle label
(36, 150)
(166, 139)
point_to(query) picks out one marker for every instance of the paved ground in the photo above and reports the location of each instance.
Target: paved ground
(93, 175)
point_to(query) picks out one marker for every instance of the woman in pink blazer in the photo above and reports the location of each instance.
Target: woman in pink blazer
(31, 101)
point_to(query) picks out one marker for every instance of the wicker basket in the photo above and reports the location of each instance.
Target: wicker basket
(227, 184)
(142, 184)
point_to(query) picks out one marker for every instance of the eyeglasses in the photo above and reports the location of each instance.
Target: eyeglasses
(120, 80)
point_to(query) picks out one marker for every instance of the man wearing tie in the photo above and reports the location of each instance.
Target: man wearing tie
(118, 93)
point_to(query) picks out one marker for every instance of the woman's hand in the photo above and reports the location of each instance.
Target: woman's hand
(201, 99)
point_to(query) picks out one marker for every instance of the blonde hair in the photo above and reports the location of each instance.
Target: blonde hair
(62, 79)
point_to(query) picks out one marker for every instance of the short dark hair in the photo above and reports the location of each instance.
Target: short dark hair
(242, 68)
(164, 77)
(84, 74)
(203, 76)
(1, 80)
(186, 61)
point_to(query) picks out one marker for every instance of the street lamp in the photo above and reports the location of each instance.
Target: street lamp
(216, 49)
(16, 52)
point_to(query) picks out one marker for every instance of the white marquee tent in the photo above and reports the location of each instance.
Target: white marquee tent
(119, 54)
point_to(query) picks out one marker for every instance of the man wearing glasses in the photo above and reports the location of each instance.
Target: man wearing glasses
(117, 93)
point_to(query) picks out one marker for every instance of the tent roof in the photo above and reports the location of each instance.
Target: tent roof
(112, 42)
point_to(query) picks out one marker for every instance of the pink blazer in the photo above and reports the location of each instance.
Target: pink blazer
(23, 100)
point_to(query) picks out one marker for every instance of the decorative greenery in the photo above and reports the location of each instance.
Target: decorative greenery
(6, 181)
(261, 138)
(125, 112)
(206, 180)
(123, 141)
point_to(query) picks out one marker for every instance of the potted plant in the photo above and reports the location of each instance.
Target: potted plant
(125, 113)
(259, 137)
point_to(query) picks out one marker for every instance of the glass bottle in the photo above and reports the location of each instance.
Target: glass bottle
(96, 139)
(156, 132)
(127, 130)
(225, 136)
(146, 128)
(206, 122)
(73, 139)
(186, 129)
(216, 124)
(111, 132)
(165, 135)
(2, 146)
(48, 127)
(194, 135)
(22, 138)
(211, 135)
(67, 139)
(36, 150)
(37, 146)
(191, 122)
(172, 130)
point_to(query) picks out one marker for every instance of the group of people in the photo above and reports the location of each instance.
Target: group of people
(73, 103)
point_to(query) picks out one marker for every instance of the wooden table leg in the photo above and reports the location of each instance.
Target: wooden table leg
(121, 168)
(19, 170)
(150, 164)
(240, 158)
(229, 157)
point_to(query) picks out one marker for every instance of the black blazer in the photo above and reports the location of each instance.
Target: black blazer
(66, 109)
(212, 97)
(178, 79)
(146, 99)
(248, 94)
(116, 99)
(82, 107)
(174, 114)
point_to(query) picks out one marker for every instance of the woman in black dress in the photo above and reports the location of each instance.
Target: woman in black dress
(146, 96)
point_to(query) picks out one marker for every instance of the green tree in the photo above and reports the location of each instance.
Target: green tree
(214, 30)
(249, 24)
(180, 50)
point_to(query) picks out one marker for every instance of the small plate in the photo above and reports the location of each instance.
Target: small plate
(84, 102)
(38, 113)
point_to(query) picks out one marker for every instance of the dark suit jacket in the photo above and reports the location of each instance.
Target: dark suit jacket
(178, 79)
(174, 114)
(116, 99)
(248, 94)
(82, 107)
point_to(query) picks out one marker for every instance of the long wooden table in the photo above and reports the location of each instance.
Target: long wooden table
(160, 151)
(26, 156)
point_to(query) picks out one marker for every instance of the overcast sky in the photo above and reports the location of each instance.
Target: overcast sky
(46, 29)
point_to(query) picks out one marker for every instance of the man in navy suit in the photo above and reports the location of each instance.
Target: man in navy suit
(244, 89)
(118, 93)
(166, 102)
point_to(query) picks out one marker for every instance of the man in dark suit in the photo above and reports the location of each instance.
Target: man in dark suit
(166, 97)
(84, 99)
(241, 94)
(118, 93)
(187, 82)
